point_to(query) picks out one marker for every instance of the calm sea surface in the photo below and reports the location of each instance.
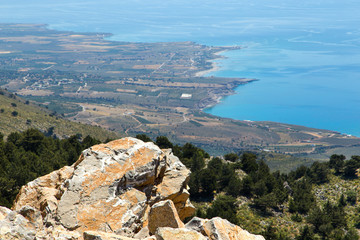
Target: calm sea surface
(306, 54)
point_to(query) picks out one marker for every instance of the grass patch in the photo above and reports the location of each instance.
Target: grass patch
(142, 120)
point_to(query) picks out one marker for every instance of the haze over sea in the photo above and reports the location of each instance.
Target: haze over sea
(306, 53)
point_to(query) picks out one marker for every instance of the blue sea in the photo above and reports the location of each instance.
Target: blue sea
(305, 54)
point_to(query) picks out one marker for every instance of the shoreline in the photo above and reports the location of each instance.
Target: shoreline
(215, 97)
(214, 65)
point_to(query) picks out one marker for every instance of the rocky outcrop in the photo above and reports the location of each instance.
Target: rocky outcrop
(125, 189)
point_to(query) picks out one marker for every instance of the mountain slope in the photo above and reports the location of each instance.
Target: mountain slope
(17, 114)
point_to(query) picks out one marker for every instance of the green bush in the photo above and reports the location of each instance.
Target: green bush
(351, 197)
(232, 157)
(224, 207)
(296, 217)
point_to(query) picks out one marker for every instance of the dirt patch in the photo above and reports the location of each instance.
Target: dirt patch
(153, 67)
(126, 91)
(28, 92)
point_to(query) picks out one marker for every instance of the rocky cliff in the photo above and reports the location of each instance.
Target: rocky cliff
(125, 189)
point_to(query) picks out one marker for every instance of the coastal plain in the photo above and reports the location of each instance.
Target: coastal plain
(151, 88)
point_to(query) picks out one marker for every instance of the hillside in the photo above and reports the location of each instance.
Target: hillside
(309, 203)
(17, 114)
(315, 202)
(125, 189)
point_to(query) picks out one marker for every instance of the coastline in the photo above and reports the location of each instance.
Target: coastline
(214, 65)
(215, 96)
(213, 53)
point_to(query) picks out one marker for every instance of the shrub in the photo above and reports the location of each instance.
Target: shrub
(232, 157)
(224, 207)
(351, 197)
(296, 218)
(163, 142)
(144, 137)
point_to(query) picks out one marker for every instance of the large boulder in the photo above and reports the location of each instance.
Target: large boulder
(111, 188)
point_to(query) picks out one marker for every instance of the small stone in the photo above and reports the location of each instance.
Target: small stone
(167, 233)
(196, 224)
(221, 229)
(97, 235)
(143, 233)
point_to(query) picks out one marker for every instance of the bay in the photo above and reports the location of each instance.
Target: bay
(305, 54)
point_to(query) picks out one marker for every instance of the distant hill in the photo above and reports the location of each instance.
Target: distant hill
(16, 114)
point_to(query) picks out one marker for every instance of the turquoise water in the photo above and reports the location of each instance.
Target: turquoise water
(305, 54)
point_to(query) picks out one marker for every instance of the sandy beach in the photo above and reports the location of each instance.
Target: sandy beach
(214, 65)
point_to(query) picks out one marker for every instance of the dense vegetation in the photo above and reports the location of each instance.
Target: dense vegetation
(316, 202)
(306, 203)
(275, 194)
